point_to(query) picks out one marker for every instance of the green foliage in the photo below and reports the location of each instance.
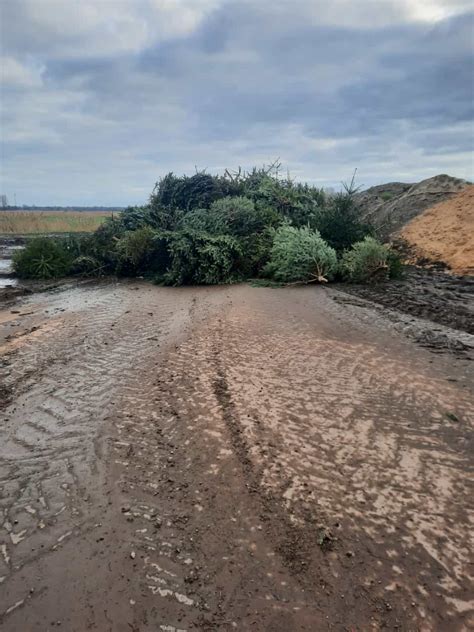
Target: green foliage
(231, 215)
(239, 217)
(300, 254)
(235, 216)
(186, 193)
(216, 229)
(86, 266)
(136, 250)
(198, 258)
(102, 245)
(42, 258)
(198, 220)
(256, 250)
(165, 217)
(395, 265)
(174, 197)
(134, 217)
(339, 222)
(367, 260)
(296, 203)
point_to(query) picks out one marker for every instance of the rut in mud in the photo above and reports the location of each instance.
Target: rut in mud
(230, 458)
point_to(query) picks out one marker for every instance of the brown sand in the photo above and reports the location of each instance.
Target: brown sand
(445, 232)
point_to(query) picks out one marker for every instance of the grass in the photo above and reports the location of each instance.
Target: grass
(46, 222)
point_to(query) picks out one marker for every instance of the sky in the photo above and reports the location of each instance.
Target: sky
(101, 98)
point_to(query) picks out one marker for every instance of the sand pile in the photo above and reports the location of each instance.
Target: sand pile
(389, 207)
(445, 232)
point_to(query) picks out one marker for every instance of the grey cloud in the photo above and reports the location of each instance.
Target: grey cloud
(251, 81)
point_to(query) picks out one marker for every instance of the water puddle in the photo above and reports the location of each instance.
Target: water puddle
(6, 282)
(7, 249)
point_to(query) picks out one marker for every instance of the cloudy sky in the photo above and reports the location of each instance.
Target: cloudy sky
(100, 98)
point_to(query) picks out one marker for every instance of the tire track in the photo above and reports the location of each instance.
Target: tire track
(48, 435)
(231, 458)
(345, 459)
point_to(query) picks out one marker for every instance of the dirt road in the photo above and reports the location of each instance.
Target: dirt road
(230, 458)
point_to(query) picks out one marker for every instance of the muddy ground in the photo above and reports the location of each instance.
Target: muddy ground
(441, 297)
(232, 458)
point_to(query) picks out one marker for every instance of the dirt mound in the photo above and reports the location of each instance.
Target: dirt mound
(445, 233)
(390, 206)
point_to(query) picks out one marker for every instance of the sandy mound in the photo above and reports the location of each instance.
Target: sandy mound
(391, 206)
(445, 232)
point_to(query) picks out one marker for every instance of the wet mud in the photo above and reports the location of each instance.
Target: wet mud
(441, 297)
(231, 458)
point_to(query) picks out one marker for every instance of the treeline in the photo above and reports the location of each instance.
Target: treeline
(205, 229)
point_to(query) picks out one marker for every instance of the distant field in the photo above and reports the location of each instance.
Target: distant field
(41, 222)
